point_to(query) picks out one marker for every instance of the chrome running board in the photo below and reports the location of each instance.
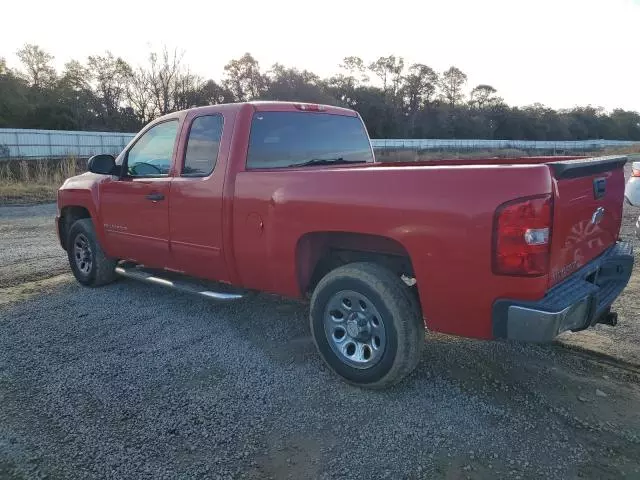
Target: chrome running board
(184, 284)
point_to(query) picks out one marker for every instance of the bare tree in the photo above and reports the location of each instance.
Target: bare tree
(76, 76)
(164, 73)
(243, 78)
(483, 95)
(343, 86)
(213, 93)
(187, 90)
(418, 90)
(110, 76)
(296, 85)
(451, 83)
(37, 63)
(76, 94)
(419, 86)
(141, 96)
(389, 70)
(166, 86)
(356, 68)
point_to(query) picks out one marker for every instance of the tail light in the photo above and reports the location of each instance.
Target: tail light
(635, 169)
(521, 236)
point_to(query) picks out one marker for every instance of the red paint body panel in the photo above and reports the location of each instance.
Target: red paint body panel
(447, 235)
(196, 211)
(256, 229)
(135, 228)
(575, 239)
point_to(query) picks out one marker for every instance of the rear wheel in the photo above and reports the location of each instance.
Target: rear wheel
(366, 325)
(87, 260)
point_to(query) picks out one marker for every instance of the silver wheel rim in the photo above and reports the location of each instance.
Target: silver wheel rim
(82, 253)
(354, 329)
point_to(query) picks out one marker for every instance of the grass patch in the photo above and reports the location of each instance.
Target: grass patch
(20, 193)
(407, 155)
(630, 150)
(404, 155)
(34, 181)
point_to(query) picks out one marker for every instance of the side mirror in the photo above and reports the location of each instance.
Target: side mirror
(104, 164)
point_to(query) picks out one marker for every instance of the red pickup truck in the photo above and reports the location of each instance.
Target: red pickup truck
(288, 198)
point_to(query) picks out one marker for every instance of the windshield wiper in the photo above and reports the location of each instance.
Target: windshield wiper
(325, 161)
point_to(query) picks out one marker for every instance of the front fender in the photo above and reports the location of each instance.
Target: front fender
(82, 191)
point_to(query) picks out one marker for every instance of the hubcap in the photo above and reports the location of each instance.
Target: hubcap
(354, 329)
(82, 253)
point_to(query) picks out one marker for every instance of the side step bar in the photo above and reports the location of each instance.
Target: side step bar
(138, 273)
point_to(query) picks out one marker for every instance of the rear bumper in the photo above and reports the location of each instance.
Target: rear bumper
(575, 304)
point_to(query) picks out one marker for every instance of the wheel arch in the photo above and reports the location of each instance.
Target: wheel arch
(317, 253)
(68, 215)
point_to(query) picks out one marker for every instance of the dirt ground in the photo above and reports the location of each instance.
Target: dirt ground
(134, 381)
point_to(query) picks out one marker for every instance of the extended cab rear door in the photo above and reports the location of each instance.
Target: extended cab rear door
(196, 202)
(587, 211)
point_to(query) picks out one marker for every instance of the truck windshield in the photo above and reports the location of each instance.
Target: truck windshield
(290, 139)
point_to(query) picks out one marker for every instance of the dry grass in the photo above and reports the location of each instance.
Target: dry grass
(631, 150)
(34, 181)
(424, 155)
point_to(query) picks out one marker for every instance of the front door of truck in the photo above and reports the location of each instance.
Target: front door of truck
(196, 204)
(135, 207)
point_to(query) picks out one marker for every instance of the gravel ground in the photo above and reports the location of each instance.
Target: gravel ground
(134, 381)
(30, 248)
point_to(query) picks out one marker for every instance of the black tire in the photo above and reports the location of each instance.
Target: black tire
(401, 318)
(101, 269)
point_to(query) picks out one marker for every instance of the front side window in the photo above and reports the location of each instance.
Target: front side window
(152, 153)
(290, 139)
(202, 146)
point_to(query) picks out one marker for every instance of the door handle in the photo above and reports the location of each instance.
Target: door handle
(155, 197)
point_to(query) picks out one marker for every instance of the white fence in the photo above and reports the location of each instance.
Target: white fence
(23, 143)
(31, 144)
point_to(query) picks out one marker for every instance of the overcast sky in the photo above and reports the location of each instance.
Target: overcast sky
(558, 52)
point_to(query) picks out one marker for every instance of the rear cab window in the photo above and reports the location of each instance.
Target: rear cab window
(295, 139)
(203, 144)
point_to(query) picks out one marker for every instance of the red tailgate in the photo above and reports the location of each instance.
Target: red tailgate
(587, 215)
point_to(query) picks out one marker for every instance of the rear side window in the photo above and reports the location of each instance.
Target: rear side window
(202, 146)
(289, 139)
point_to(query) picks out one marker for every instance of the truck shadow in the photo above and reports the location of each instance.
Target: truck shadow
(551, 376)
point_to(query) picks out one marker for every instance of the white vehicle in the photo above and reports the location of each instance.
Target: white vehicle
(632, 191)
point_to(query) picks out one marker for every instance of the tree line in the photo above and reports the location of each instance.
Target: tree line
(406, 101)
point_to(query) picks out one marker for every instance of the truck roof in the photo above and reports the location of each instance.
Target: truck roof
(267, 105)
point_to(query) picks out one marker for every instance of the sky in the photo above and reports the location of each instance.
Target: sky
(560, 53)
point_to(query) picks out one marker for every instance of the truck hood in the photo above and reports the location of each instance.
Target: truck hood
(84, 181)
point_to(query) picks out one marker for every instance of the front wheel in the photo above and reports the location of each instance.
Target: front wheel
(366, 325)
(87, 260)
